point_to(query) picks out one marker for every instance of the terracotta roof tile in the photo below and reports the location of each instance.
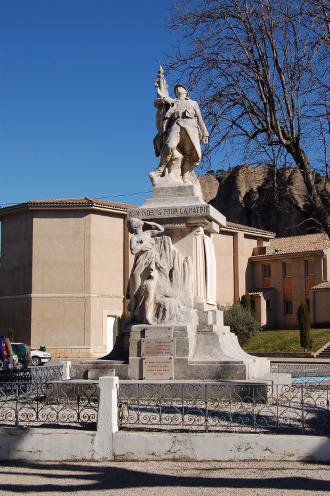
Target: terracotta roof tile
(69, 202)
(296, 245)
(322, 285)
(300, 244)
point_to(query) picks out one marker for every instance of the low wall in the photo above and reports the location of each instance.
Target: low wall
(107, 443)
(39, 444)
(220, 446)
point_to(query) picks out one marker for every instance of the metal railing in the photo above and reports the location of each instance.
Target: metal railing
(38, 396)
(317, 370)
(33, 374)
(224, 407)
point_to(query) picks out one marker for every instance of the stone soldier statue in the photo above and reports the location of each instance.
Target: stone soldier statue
(181, 130)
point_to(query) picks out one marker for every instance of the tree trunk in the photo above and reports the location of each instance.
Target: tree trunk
(320, 208)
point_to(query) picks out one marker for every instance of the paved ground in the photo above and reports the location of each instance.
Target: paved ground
(166, 478)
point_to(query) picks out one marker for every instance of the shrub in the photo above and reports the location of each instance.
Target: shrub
(246, 302)
(240, 321)
(304, 326)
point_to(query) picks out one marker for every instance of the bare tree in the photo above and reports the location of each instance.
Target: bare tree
(260, 68)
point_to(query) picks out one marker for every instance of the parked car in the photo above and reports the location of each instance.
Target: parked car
(6, 354)
(39, 357)
(23, 352)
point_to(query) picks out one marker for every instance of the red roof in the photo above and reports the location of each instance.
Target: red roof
(67, 203)
(298, 244)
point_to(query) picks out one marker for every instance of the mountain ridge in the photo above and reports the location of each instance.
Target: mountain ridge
(265, 198)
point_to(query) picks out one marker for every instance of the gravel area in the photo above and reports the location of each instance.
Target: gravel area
(166, 478)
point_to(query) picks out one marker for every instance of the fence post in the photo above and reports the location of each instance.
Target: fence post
(16, 402)
(107, 418)
(66, 364)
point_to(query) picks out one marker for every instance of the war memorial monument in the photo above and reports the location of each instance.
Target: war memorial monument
(175, 330)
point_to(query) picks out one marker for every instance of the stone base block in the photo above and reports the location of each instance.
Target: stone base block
(95, 374)
(80, 368)
(208, 351)
(206, 371)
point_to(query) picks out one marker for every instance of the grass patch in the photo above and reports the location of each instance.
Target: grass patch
(287, 340)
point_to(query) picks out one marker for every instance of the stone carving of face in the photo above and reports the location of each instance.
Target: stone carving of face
(181, 92)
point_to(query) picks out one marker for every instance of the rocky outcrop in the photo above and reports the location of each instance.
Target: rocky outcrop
(264, 198)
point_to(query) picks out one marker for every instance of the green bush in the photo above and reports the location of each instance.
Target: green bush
(240, 321)
(246, 302)
(304, 326)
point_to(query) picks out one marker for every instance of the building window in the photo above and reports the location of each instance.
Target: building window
(268, 306)
(286, 269)
(308, 305)
(306, 267)
(287, 307)
(266, 271)
(324, 269)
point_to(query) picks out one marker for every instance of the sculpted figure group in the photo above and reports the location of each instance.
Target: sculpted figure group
(160, 281)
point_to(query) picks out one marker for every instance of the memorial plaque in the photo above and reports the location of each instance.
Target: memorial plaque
(158, 368)
(159, 333)
(157, 347)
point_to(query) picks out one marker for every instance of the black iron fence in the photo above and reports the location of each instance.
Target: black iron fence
(40, 397)
(224, 407)
(33, 374)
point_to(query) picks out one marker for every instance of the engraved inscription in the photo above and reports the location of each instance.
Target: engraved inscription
(185, 211)
(157, 347)
(155, 368)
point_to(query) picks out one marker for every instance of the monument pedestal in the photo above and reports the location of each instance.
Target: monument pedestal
(208, 351)
(193, 345)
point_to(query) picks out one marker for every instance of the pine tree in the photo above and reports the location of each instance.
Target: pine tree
(304, 326)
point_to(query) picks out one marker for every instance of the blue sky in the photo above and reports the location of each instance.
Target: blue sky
(76, 96)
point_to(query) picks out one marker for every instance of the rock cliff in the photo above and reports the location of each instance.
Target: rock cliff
(264, 198)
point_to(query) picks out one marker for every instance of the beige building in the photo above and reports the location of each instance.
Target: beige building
(320, 303)
(64, 270)
(288, 272)
(65, 266)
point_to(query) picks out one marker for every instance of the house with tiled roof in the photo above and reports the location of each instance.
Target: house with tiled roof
(288, 272)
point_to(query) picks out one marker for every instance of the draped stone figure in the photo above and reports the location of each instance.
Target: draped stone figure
(143, 276)
(181, 130)
(161, 278)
